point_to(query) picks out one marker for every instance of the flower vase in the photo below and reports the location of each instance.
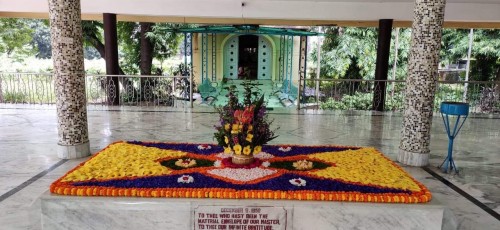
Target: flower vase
(242, 159)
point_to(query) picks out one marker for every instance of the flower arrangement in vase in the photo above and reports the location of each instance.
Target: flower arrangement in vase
(244, 126)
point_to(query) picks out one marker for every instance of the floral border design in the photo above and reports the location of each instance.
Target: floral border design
(70, 188)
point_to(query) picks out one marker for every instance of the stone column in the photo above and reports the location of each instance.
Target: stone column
(69, 78)
(421, 82)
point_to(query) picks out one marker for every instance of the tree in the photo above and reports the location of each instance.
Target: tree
(146, 48)
(93, 37)
(143, 42)
(485, 58)
(485, 51)
(351, 53)
(41, 37)
(165, 42)
(15, 37)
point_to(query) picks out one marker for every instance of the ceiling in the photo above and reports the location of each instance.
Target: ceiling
(459, 13)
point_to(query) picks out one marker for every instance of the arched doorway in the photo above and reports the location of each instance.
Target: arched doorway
(248, 57)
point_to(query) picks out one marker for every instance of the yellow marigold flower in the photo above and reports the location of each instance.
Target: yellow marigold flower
(247, 150)
(237, 149)
(249, 137)
(235, 131)
(257, 149)
(228, 150)
(227, 127)
(250, 128)
(226, 139)
(236, 127)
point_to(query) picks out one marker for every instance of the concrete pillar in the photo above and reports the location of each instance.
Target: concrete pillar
(69, 75)
(382, 64)
(421, 82)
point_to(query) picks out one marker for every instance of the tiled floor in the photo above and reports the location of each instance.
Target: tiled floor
(28, 138)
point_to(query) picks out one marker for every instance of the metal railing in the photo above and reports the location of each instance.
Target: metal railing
(129, 90)
(136, 90)
(27, 88)
(357, 94)
(176, 91)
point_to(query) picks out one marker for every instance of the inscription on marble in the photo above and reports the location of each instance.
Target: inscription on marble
(239, 218)
(66, 40)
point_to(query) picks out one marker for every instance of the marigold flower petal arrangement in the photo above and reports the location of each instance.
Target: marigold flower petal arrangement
(330, 173)
(244, 126)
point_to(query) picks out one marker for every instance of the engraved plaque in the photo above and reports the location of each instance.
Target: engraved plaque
(239, 217)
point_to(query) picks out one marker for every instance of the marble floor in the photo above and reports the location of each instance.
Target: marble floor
(29, 163)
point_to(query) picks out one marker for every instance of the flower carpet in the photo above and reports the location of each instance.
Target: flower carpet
(294, 172)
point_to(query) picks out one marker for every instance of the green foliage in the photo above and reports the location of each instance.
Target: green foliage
(41, 37)
(485, 54)
(358, 101)
(351, 53)
(404, 42)
(15, 37)
(165, 44)
(129, 46)
(15, 97)
(362, 101)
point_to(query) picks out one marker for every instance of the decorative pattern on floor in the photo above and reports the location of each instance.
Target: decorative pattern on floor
(294, 172)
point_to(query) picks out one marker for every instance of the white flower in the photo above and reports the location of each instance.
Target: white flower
(185, 179)
(266, 164)
(242, 175)
(298, 182)
(204, 147)
(185, 163)
(302, 165)
(217, 163)
(285, 148)
(263, 155)
(223, 155)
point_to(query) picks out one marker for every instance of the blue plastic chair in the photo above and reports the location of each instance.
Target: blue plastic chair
(460, 110)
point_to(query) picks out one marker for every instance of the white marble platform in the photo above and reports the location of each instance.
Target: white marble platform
(28, 146)
(67, 212)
